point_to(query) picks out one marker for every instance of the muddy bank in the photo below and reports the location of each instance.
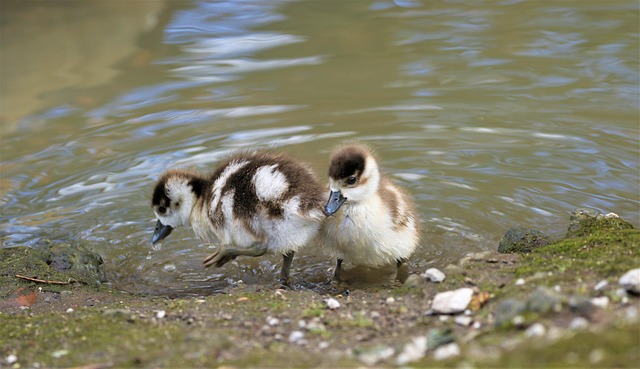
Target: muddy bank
(560, 303)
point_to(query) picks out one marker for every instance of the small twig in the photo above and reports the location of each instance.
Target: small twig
(43, 281)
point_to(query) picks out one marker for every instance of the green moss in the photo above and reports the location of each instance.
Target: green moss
(603, 254)
(586, 225)
(613, 348)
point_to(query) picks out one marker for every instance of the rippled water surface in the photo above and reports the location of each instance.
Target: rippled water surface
(492, 114)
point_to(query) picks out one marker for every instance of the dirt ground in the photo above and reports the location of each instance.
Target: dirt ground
(547, 308)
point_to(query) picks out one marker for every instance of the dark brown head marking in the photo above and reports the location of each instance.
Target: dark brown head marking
(160, 197)
(348, 161)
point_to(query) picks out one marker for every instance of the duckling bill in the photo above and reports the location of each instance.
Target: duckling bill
(371, 221)
(254, 202)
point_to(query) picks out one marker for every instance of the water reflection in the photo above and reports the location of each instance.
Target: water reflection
(491, 114)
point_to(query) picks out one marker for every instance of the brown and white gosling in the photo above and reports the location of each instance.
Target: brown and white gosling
(254, 202)
(374, 221)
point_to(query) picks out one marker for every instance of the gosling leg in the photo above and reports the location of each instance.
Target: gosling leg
(286, 266)
(221, 257)
(336, 274)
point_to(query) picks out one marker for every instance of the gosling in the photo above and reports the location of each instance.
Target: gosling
(255, 202)
(374, 222)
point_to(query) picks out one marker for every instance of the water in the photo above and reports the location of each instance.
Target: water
(491, 114)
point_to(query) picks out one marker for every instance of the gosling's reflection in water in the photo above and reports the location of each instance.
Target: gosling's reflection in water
(362, 277)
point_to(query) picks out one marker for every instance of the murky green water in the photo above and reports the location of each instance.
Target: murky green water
(492, 114)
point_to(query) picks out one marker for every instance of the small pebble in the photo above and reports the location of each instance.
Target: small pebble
(69, 310)
(477, 325)
(390, 300)
(447, 351)
(630, 281)
(323, 345)
(596, 356)
(536, 330)
(611, 216)
(11, 359)
(601, 302)
(59, 353)
(273, 321)
(600, 285)
(332, 303)
(434, 275)
(463, 320)
(518, 320)
(578, 323)
(296, 337)
(520, 282)
(160, 314)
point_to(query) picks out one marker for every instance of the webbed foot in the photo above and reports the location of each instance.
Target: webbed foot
(223, 256)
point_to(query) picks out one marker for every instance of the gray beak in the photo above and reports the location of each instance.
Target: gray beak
(160, 232)
(335, 201)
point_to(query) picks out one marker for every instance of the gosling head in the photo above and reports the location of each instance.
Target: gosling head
(353, 176)
(173, 199)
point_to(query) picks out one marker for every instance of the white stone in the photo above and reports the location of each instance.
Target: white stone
(390, 300)
(332, 303)
(600, 285)
(463, 320)
(477, 325)
(273, 321)
(413, 351)
(161, 314)
(11, 359)
(434, 275)
(520, 282)
(517, 320)
(601, 302)
(323, 345)
(630, 281)
(611, 215)
(536, 330)
(69, 310)
(447, 351)
(578, 323)
(452, 302)
(296, 337)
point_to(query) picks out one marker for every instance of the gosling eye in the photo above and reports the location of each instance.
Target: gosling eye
(162, 209)
(352, 180)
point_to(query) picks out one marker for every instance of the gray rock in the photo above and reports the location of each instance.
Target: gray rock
(413, 351)
(630, 281)
(452, 302)
(507, 310)
(583, 222)
(376, 355)
(544, 300)
(582, 306)
(522, 240)
(438, 337)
